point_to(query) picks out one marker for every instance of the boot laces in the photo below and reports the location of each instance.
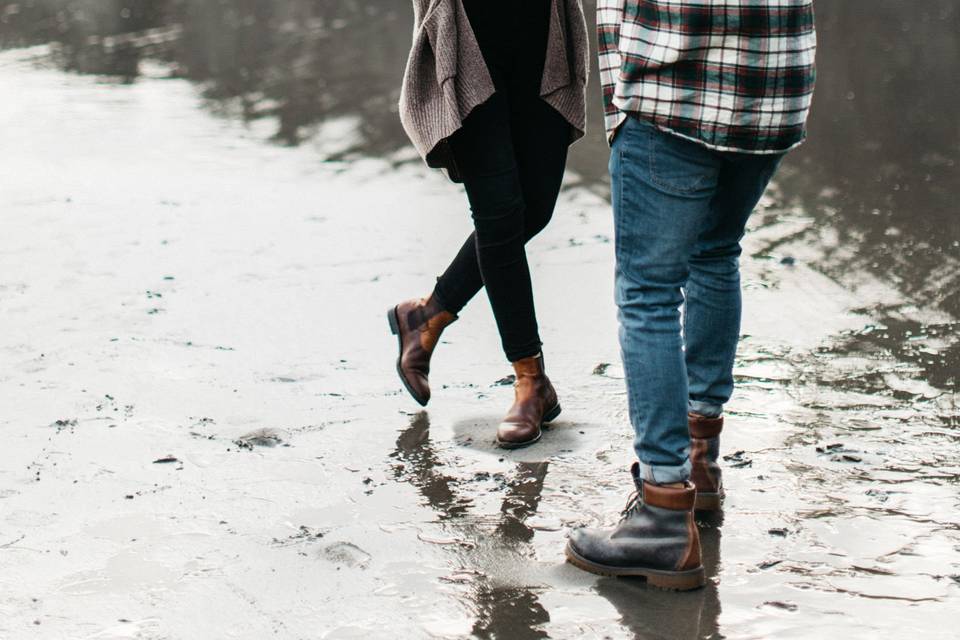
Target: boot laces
(633, 503)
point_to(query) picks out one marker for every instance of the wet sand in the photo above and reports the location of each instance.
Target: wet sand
(204, 435)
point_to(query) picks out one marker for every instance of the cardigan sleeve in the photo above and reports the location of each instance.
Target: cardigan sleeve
(445, 79)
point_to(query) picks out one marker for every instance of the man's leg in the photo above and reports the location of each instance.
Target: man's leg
(713, 300)
(662, 190)
(712, 315)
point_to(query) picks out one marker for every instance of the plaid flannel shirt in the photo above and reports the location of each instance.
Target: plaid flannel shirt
(734, 75)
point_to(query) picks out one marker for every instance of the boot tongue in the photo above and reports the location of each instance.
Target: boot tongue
(637, 478)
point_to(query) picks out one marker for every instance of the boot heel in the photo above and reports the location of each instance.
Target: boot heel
(686, 581)
(392, 319)
(551, 415)
(707, 502)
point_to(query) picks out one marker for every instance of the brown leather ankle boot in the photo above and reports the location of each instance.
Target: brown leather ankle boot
(417, 325)
(704, 453)
(535, 404)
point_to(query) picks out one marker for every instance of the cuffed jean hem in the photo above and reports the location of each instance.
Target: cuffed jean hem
(662, 474)
(705, 409)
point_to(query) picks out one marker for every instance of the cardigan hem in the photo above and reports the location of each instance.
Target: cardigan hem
(433, 109)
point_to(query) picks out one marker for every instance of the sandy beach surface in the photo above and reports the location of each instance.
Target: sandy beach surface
(204, 436)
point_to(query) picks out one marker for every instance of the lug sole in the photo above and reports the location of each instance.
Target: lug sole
(668, 580)
(548, 417)
(503, 444)
(395, 330)
(708, 501)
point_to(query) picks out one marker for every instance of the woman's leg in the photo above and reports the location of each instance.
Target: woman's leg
(485, 155)
(511, 153)
(513, 40)
(541, 140)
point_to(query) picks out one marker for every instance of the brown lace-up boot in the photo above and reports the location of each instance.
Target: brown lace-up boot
(417, 325)
(536, 403)
(657, 539)
(704, 453)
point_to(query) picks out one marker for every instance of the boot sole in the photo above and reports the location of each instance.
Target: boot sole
(708, 501)
(395, 330)
(668, 580)
(549, 416)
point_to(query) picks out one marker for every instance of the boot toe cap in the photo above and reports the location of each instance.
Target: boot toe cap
(417, 384)
(513, 433)
(588, 544)
(577, 539)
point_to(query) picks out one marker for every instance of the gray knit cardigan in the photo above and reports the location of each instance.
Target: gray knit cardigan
(446, 76)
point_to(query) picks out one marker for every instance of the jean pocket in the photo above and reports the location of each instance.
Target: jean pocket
(680, 166)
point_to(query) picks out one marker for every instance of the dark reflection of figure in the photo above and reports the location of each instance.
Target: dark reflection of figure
(420, 469)
(521, 502)
(300, 61)
(514, 612)
(654, 614)
(503, 611)
(509, 612)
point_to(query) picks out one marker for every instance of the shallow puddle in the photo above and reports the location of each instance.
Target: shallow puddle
(203, 224)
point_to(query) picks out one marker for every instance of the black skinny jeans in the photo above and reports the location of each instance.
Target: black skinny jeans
(511, 152)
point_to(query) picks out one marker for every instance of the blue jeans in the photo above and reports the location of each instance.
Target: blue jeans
(680, 211)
